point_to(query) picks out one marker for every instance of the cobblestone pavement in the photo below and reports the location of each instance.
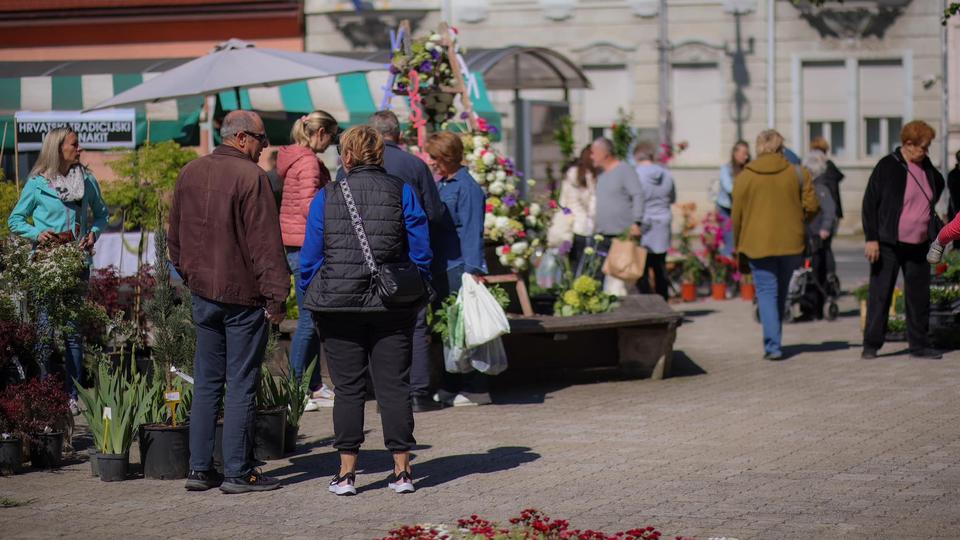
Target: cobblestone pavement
(822, 445)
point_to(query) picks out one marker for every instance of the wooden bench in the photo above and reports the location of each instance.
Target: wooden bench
(637, 338)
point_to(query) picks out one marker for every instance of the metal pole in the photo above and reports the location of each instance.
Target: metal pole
(446, 11)
(771, 65)
(663, 46)
(944, 97)
(16, 155)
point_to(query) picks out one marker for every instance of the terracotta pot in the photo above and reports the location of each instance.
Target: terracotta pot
(748, 291)
(719, 291)
(688, 291)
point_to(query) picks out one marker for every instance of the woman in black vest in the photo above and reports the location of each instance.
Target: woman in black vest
(359, 333)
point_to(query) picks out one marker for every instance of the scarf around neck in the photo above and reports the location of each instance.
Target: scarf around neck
(70, 187)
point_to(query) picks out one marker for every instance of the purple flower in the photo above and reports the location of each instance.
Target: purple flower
(567, 211)
(519, 174)
(493, 130)
(602, 253)
(401, 87)
(565, 248)
(464, 115)
(426, 66)
(436, 54)
(509, 201)
(394, 69)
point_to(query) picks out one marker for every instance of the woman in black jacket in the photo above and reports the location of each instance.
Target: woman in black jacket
(898, 210)
(359, 332)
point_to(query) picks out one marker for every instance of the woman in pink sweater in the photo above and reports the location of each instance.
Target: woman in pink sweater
(303, 175)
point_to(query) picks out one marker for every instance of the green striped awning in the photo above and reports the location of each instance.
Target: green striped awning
(350, 98)
(161, 121)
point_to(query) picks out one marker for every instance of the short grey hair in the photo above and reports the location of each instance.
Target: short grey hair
(386, 123)
(237, 121)
(645, 151)
(604, 143)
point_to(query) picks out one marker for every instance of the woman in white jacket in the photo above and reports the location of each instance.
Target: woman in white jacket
(578, 199)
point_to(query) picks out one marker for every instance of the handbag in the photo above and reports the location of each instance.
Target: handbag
(935, 224)
(399, 284)
(625, 260)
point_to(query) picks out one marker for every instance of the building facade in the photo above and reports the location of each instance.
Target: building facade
(852, 72)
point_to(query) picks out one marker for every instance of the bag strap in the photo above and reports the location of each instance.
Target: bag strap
(358, 227)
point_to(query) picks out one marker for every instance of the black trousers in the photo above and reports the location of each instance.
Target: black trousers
(657, 262)
(912, 259)
(380, 343)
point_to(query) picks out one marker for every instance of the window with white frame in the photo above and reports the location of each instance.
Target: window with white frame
(881, 93)
(825, 104)
(698, 105)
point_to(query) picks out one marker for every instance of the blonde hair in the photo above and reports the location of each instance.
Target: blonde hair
(361, 145)
(446, 149)
(821, 144)
(309, 124)
(769, 141)
(48, 164)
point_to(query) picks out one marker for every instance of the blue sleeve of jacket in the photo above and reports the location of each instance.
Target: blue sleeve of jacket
(97, 205)
(17, 222)
(471, 209)
(726, 180)
(311, 254)
(418, 235)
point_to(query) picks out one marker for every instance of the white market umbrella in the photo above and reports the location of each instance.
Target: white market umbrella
(233, 65)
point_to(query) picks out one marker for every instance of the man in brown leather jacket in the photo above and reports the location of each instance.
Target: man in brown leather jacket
(224, 239)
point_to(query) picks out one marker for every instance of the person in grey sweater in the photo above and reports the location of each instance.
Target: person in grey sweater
(659, 195)
(823, 226)
(619, 195)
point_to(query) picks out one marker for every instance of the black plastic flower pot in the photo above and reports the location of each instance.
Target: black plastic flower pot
(46, 450)
(269, 433)
(218, 447)
(113, 467)
(165, 451)
(11, 456)
(94, 470)
(290, 438)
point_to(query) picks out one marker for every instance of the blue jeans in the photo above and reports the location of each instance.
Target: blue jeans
(72, 356)
(771, 276)
(305, 345)
(230, 345)
(727, 249)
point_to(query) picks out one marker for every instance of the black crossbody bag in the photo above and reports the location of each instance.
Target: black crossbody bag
(935, 224)
(398, 285)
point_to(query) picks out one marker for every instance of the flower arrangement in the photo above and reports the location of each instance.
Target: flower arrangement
(517, 226)
(430, 60)
(584, 296)
(691, 264)
(714, 227)
(668, 152)
(531, 524)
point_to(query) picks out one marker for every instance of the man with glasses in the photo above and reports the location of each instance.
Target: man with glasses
(224, 239)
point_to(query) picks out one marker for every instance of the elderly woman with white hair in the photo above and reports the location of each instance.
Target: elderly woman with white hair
(823, 226)
(772, 199)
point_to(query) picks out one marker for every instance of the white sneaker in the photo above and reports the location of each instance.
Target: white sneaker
(470, 399)
(311, 406)
(321, 403)
(324, 392)
(442, 396)
(344, 485)
(401, 483)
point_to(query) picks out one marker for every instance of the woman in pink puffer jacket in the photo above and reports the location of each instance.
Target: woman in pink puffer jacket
(303, 175)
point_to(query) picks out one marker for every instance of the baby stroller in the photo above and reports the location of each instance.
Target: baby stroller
(807, 296)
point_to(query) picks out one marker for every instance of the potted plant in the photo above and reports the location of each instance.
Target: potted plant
(692, 269)
(11, 442)
(296, 391)
(720, 267)
(748, 290)
(43, 411)
(164, 434)
(113, 408)
(271, 418)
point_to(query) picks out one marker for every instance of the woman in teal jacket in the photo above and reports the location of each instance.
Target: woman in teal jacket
(58, 197)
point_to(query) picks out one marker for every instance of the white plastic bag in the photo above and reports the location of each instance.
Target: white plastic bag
(483, 318)
(456, 359)
(616, 287)
(489, 358)
(549, 270)
(456, 356)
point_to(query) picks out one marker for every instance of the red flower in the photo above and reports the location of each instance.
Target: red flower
(506, 249)
(489, 208)
(553, 204)
(526, 211)
(522, 234)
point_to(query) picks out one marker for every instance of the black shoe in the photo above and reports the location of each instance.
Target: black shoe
(868, 354)
(929, 354)
(203, 480)
(252, 481)
(773, 357)
(424, 404)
